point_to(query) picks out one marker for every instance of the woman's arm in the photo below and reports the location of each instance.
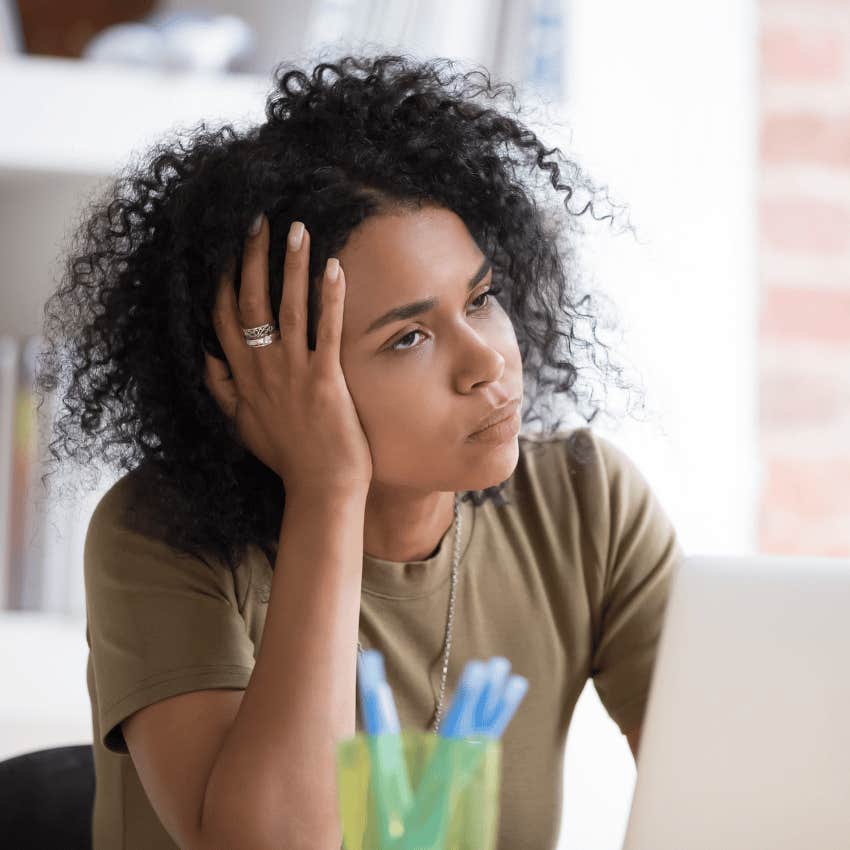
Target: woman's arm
(273, 784)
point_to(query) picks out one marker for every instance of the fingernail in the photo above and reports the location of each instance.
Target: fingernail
(296, 234)
(332, 269)
(256, 224)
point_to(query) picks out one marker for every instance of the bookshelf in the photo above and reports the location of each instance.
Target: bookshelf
(72, 125)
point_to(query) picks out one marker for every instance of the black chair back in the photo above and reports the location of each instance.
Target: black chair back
(46, 799)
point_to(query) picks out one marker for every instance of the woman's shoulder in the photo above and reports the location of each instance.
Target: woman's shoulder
(124, 520)
(568, 450)
(124, 547)
(578, 450)
(121, 504)
(576, 469)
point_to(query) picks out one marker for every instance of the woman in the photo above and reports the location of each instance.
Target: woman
(293, 493)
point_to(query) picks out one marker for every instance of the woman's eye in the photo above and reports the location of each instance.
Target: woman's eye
(493, 290)
(397, 345)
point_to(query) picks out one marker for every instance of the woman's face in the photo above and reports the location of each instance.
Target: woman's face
(422, 384)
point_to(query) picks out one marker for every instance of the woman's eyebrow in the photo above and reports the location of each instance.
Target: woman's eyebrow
(407, 311)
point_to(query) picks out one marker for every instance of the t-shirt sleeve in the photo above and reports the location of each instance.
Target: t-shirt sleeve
(642, 558)
(160, 622)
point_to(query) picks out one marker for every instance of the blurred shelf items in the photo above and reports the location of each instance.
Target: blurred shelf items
(134, 32)
(86, 87)
(41, 536)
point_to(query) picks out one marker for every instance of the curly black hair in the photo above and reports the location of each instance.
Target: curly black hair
(125, 330)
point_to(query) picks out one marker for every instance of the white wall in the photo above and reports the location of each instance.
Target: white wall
(662, 102)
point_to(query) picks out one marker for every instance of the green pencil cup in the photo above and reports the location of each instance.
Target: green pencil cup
(452, 802)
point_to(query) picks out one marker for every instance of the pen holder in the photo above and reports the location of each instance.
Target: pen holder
(454, 784)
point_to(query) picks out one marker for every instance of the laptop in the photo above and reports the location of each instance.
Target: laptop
(746, 739)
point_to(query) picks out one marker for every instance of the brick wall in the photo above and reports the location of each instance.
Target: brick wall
(804, 270)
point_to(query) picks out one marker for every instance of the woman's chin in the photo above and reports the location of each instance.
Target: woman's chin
(492, 465)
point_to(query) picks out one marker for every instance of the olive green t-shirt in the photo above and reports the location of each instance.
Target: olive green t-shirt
(569, 581)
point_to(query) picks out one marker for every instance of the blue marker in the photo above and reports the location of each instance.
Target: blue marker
(484, 702)
(390, 782)
(459, 719)
(513, 695)
(482, 706)
(370, 672)
(498, 669)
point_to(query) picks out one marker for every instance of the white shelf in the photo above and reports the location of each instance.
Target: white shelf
(78, 117)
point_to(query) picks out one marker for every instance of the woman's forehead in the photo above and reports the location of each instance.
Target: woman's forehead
(420, 246)
(393, 259)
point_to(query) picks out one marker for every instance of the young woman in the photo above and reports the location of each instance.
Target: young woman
(288, 340)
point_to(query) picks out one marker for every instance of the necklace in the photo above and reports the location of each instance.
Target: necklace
(438, 713)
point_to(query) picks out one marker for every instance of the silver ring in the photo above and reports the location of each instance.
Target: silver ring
(259, 331)
(263, 341)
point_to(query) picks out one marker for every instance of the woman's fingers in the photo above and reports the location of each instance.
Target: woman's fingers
(255, 306)
(220, 384)
(329, 331)
(292, 315)
(324, 440)
(225, 318)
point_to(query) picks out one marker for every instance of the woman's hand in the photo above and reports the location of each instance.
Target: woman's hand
(291, 406)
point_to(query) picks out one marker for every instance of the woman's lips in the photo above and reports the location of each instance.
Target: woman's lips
(505, 412)
(499, 432)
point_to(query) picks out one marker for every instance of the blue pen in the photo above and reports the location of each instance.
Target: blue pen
(483, 704)
(390, 781)
(498, 702)
(460, 715)
(498, 669)
(481, 707)
(513, 695)
(370, 671)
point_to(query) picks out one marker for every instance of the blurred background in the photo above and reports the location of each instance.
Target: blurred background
(725, 129)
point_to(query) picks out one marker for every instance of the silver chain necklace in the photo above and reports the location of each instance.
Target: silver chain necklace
(438, 714)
